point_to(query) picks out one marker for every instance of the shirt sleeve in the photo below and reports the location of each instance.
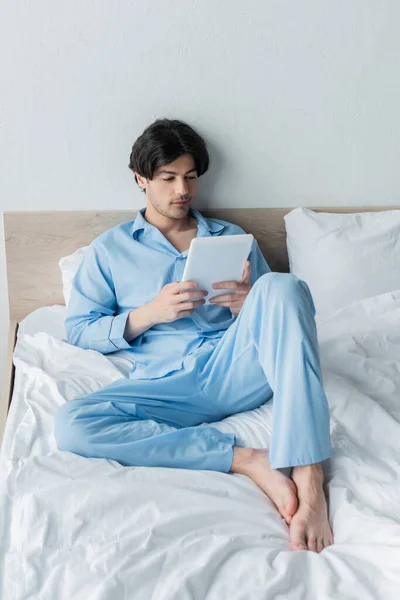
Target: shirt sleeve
(93, 321)
(258, 264)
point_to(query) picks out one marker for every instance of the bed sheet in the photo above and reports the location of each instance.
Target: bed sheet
(42, 333)
(78, 528)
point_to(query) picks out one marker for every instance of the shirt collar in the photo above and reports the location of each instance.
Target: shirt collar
(207, 227)
(139, 223)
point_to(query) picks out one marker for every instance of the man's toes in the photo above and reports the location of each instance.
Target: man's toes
(312, 543)
(298, 547)
(329, 540)
(297, 538)
(321, 544)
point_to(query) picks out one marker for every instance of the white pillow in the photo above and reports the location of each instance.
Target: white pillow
(69, 266)
(344, 258)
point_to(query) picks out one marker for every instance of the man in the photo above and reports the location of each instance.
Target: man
(196, 364)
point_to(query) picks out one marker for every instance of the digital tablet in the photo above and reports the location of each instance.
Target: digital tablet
(214, 259)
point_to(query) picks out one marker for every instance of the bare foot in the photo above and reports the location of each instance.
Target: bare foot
(279, 488)
(309, 528)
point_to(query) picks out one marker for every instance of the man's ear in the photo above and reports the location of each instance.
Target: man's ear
(142, 181)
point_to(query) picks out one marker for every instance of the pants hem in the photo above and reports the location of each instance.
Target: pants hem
(300, 462)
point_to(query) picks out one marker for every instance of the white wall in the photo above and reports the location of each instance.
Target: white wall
(298, 99)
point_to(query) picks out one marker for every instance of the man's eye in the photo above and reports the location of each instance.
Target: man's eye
(171, 178)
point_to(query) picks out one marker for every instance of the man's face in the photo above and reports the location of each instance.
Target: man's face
(173, 188)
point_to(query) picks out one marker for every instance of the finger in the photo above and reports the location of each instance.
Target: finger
(232, 297)
(184, 296)
(230, 304)
(181, 286)
(232, 285)
(184, 313)
(246, 273)
(226, 284)
(189, 305)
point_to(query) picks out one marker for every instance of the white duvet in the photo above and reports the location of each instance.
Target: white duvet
(88, 529)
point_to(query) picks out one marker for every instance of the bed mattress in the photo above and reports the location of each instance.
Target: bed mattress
(78, 528)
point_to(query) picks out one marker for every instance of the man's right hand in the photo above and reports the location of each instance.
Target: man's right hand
(176, 301)
(169, 305)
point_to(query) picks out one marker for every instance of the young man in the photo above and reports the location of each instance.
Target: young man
(196, 364)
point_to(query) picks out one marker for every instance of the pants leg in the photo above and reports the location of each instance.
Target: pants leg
(273, 348)
(146, 423)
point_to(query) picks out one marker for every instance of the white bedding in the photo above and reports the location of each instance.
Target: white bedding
(79, 529)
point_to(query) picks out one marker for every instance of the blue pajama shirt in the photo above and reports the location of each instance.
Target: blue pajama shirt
(195, 370)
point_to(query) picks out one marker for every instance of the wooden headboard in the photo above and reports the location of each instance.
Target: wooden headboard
(35, 241)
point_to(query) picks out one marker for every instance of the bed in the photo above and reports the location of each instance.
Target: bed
(77, 528)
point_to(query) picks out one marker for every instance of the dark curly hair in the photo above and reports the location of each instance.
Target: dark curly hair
(164, 141)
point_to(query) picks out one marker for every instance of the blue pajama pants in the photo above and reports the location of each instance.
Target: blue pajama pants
(270, 350)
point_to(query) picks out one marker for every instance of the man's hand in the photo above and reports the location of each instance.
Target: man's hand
(235, 300)
(169, 305)
(171, 302)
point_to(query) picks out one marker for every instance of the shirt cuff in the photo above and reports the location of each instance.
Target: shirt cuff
(116, 335)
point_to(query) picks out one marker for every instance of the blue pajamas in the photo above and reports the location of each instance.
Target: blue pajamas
(271, 349)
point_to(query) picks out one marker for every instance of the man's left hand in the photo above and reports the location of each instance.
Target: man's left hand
(235, 300)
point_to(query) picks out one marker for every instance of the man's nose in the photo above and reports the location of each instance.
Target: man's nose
(182, 187)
